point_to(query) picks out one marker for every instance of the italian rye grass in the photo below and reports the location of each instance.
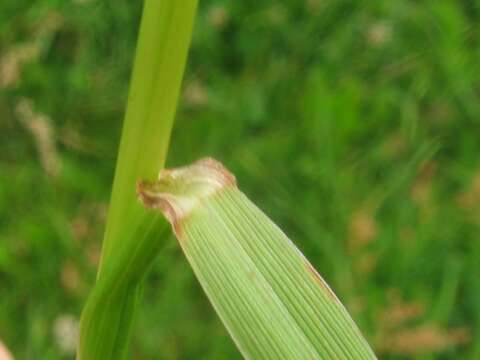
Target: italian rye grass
(270, 298)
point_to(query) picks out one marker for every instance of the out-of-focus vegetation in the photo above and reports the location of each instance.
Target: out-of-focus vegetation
(354, 125)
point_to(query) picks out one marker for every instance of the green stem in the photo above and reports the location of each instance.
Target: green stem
(133, 235)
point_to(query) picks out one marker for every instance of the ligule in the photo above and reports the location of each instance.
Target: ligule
(271, 299)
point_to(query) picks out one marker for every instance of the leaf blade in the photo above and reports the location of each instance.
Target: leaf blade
(270, 298)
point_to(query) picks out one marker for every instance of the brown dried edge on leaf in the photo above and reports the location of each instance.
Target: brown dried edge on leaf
(160, 194)
(319, 280)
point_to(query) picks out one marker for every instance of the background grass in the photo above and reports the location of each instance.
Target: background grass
(354, 124)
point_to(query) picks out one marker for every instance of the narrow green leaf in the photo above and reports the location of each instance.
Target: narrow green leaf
(133, 235)
(270, 298)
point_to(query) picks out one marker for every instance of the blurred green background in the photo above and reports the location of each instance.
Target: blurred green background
(354, 124)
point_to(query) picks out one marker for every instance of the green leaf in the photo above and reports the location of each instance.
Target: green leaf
(270, 298)
(133, 235)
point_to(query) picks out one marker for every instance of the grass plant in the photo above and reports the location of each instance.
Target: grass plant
(271, 299)
(361, 116)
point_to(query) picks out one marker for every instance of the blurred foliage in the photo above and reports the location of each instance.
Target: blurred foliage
(353, 124)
